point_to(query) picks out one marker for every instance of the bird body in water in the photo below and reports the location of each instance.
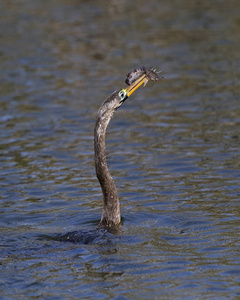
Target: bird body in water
(111, 218)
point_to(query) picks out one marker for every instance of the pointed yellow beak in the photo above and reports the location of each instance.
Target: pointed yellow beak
(135, 85)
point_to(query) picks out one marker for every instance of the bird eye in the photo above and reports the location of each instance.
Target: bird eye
(122, 94)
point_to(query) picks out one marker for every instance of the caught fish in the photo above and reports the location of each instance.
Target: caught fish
(151, 74)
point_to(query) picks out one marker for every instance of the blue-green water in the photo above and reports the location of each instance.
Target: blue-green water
(173, 149)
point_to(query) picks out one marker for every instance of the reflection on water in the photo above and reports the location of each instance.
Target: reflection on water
(173, 149)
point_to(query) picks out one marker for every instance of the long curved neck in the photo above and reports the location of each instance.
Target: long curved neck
(111, 208)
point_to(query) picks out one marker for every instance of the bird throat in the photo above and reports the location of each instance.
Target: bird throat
(111, 208)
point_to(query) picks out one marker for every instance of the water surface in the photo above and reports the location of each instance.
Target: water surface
(173, 149)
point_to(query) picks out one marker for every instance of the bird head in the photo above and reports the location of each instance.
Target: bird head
(125, 93)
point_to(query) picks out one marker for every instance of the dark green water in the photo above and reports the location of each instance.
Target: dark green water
(173, 149)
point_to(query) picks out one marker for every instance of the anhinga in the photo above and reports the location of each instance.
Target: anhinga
(111, 218)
